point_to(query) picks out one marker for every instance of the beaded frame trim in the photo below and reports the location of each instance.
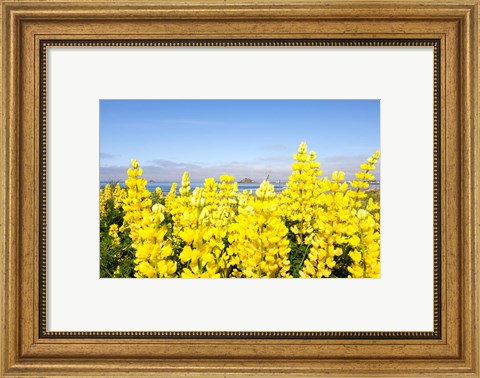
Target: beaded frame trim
(435, 334)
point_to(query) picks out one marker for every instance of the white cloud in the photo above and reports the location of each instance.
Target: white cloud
(277, 168)
(105, 156)
(275, 147)
(346, 163)
(165, 170)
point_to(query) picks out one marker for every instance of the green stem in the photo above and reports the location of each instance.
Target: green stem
(303, 257)
(363, 255)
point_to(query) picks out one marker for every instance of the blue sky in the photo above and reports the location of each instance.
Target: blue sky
(244, 138)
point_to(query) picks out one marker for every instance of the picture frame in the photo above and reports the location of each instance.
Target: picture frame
(25, 347)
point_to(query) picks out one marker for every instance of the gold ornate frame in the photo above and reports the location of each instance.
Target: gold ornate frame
(27, 349)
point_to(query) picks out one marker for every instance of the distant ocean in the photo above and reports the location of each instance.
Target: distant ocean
(165, 185)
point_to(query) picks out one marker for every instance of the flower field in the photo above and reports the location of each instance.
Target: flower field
(316, 227)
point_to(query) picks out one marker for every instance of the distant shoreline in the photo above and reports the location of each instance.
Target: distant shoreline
(166, 185)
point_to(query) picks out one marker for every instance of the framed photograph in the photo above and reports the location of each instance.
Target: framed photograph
(162, 159)
(286, 218)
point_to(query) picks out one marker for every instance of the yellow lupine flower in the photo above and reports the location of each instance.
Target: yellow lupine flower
(215, 231)
(185, 188)
(113, 232)
(260, 246)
